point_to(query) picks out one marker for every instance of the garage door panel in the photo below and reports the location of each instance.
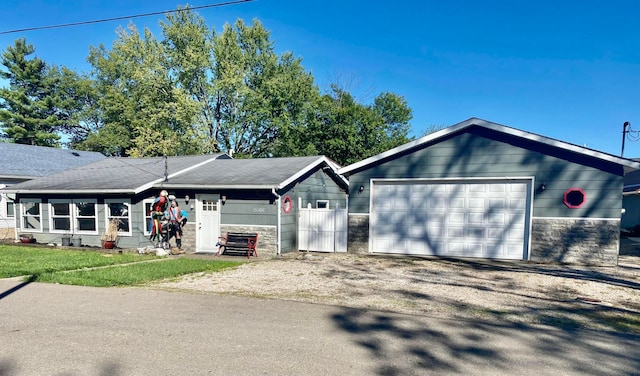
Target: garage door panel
(436, 203)
(435, 231)
(495, 233)
(475, 233)
(517, 204)
(455, 217)
(477, 219)
(454, 232)
(498, 218)
(455, 248)
(477, 204)
(496, 203)
(418, 231)
(456, 203)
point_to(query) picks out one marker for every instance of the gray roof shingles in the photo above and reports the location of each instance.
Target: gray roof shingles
(29, 161)
(130, 174)
(246, 172)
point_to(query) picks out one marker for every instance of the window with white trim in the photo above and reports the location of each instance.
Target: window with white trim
(8, 207)
(73, 216)
(30, 217)
(60, 216)
(11, 209)
(148, 222)
(86, 216)
(322, 204)
(116, 209)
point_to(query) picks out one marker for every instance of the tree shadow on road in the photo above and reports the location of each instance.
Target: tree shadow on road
(404, 344)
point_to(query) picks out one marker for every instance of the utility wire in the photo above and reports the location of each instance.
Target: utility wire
(124, 17)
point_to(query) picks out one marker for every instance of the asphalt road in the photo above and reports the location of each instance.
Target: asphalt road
(50, 329)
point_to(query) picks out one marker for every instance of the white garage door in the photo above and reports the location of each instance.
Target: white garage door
(485, 219)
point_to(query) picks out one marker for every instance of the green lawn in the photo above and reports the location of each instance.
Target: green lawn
(90, 268)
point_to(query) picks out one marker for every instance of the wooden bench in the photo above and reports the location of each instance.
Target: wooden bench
(238, 242)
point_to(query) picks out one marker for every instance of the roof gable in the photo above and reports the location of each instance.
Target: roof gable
(629, 165)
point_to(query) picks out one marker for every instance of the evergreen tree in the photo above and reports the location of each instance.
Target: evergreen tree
(27, 108)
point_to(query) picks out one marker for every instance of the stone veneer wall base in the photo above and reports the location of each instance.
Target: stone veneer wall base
(267, 237)
(358, 234)
(575, 241)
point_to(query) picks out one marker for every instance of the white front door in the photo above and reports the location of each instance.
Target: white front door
(208, 224)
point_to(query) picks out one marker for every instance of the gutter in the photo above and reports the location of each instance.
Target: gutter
(278, 229)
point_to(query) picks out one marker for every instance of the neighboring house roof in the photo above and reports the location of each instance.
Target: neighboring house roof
(28, 162)
(632, 181)
(628, 164)
(135, 175)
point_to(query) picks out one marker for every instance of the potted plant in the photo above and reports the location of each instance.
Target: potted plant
(27, 238)
(109, 237)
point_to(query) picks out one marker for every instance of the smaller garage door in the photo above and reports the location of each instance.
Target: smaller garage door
(486, 219)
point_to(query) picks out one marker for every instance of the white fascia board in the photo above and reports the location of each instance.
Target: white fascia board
(70, 191)
(152, 183)
(633, 165)
(213, 186)
(410, 145)
(310, 167)
(629, 164)
(20, 177)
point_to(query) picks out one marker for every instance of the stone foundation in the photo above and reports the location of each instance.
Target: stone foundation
(358, 234)
(7, 234)
(575, 241)
(267, 237)
(188, 237)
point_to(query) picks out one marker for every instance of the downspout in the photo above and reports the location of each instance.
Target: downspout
(278, 228)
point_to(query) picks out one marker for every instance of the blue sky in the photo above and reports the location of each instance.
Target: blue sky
(566, 70)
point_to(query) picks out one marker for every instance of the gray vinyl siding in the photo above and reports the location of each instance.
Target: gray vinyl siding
(315, 186)
(137, 238)
(631, 217)
(249, 212)
(289, 228)
(319, 186)
(477, 154)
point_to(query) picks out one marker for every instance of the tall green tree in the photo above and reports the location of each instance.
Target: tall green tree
(348, 131)
(76, 99)
(195, 91)
(260, 98)
(28, 112)
(188, 43)
(144, 112)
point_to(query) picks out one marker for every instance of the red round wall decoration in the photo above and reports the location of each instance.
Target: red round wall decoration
(287, 204)
(574, 198)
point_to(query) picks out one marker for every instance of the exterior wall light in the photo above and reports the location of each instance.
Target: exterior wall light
(361, 189)
(223, 198)
(186, 199)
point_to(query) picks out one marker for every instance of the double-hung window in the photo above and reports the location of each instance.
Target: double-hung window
(8, 207)
(30, 215)
(118, 209)
(86, 216)
(60, 216)
(148, 221)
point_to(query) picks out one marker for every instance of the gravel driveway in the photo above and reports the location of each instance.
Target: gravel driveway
(558, 295)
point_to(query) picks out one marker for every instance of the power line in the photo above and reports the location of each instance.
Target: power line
(124, 17)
